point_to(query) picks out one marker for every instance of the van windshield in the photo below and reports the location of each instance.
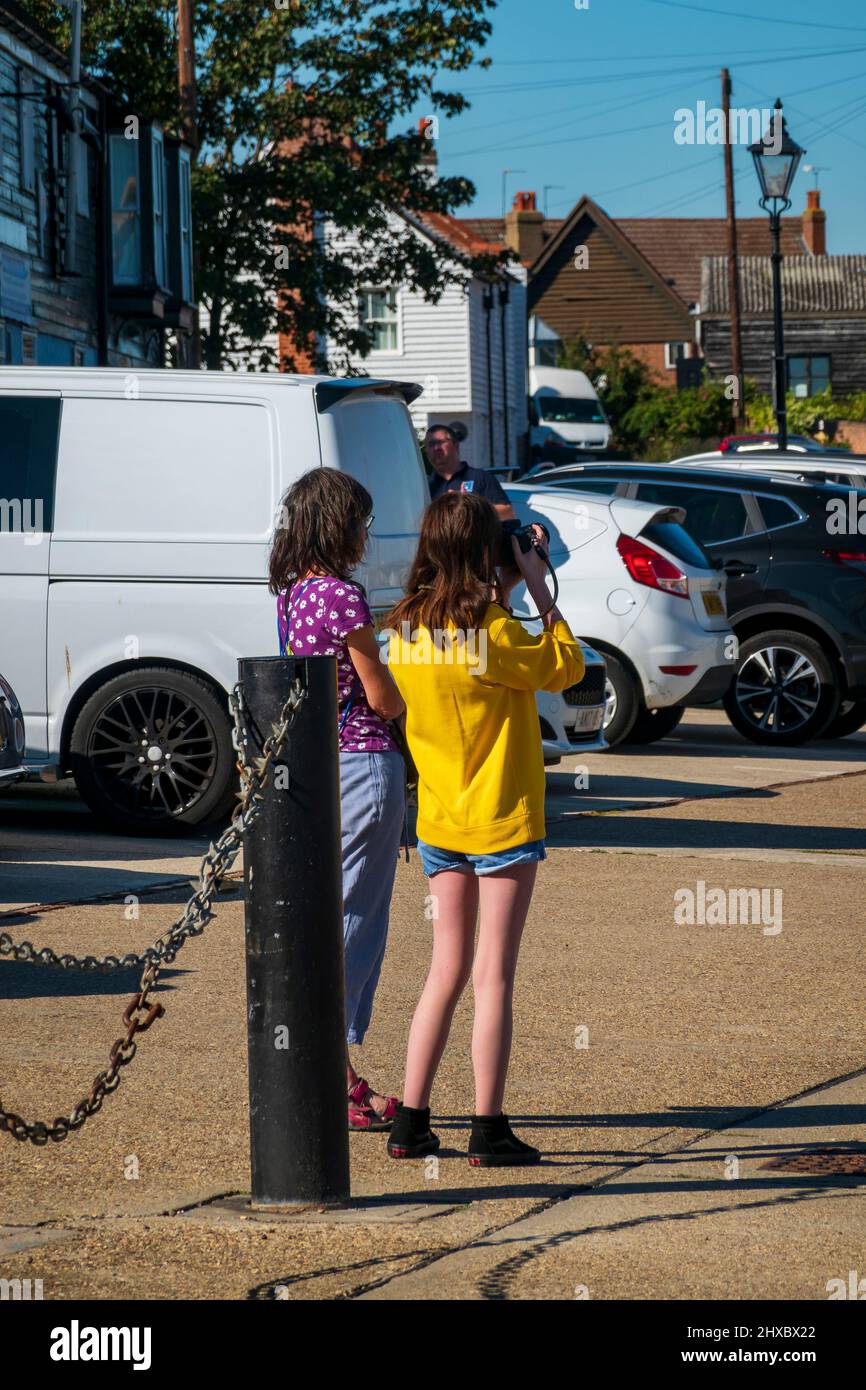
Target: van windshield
(567, 410)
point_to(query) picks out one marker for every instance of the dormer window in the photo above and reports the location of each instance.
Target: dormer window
(138, 223)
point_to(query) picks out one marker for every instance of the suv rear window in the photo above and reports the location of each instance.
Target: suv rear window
(675, 539)
(711, 516)
(777, 512)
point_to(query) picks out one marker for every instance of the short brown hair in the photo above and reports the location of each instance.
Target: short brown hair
(321, 528)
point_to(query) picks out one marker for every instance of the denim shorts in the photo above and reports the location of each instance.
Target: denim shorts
(435, 860)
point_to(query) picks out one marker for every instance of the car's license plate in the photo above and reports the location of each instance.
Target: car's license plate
(589, 718)
(714, 606)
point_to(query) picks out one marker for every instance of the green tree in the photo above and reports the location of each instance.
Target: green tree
(303, 117)
(619, 376)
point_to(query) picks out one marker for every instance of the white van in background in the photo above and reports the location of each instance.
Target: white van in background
(138, 572)
(566, 415)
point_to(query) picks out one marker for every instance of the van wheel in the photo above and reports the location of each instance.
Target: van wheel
(151, 752)
(620, 689)
(653, 724)
(785, 691)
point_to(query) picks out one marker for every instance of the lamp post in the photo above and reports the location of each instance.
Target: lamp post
(776, 158)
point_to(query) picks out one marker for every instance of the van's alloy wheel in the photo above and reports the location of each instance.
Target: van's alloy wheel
(786, 690)
(152, 750)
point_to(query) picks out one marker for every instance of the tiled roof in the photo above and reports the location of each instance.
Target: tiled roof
(677, 245)
(460, 232)
(674, 246)
(810, 285)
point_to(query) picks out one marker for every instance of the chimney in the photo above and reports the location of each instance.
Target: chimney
(523, 227)
(428, 129)
(814, 224)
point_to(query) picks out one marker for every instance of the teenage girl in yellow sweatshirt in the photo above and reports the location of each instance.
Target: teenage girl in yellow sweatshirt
(468, 672)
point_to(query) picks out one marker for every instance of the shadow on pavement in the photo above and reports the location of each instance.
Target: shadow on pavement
(19, 980)
(630, 830)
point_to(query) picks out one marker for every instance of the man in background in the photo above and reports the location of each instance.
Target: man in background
(442, 447)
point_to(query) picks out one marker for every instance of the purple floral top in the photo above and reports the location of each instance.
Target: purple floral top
(314, 618)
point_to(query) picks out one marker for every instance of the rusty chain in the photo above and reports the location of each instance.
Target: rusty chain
(197, 912)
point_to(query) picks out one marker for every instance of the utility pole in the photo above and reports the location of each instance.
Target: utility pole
(733, 270)
(189, 131)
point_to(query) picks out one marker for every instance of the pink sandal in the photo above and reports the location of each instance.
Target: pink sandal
(362, 1115)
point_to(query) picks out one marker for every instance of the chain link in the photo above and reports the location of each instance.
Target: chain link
(215, 864)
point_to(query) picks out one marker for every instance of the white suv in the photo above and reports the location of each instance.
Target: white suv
(635, 586)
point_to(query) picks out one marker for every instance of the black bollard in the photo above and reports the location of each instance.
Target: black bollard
(294, 942)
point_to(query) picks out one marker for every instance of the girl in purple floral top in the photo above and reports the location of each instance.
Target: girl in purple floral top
(321, 611)
(315, 617)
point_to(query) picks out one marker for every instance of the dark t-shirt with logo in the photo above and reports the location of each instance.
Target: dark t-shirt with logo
(467, 479)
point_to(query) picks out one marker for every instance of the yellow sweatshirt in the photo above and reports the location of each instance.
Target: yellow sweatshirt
(472, 726)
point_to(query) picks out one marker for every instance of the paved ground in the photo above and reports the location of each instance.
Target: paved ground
(660, 1066)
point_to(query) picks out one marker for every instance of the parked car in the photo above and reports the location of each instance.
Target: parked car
(566, 416)
(756, 443)
(12, 738)
(574, 721)
(796, 590)
(137, 573)
(637, 588)
(848, 469)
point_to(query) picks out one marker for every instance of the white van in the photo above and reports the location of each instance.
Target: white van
(136, 511)
(566, 415)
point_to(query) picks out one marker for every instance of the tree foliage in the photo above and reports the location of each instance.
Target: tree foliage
(303, 117)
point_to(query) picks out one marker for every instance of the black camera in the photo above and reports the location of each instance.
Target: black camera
(524, 536)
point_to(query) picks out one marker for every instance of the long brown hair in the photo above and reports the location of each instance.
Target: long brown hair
(321, 528)
(454, 565)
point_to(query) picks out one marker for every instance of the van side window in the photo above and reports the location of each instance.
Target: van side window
(29, 427)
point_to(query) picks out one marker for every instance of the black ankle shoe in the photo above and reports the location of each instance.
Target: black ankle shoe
(411, 1135)
(492, 1144)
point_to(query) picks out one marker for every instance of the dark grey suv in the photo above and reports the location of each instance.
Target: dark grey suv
(794, 551)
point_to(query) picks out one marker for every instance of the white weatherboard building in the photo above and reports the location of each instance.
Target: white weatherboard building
(468, 350)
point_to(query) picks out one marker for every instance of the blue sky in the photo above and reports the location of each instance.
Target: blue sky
(585, 99)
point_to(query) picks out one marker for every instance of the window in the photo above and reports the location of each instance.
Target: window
(808, 375)
(676, 540)
(29, 427)
(777, 512)
(185, 226)
(378, 314)
(606, 487)
(157, 174)
(125, 212)
(674, 352)
(570, 410)
(711, 516)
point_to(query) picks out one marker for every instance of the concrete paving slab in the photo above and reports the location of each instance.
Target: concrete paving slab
(723, 1175)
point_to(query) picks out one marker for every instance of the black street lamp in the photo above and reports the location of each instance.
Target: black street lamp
(776, 159)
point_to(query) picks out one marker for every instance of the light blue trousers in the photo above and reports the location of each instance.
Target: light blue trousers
(372, 808)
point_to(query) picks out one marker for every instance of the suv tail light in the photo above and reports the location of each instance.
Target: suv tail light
(845, 557)
(646, 566)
